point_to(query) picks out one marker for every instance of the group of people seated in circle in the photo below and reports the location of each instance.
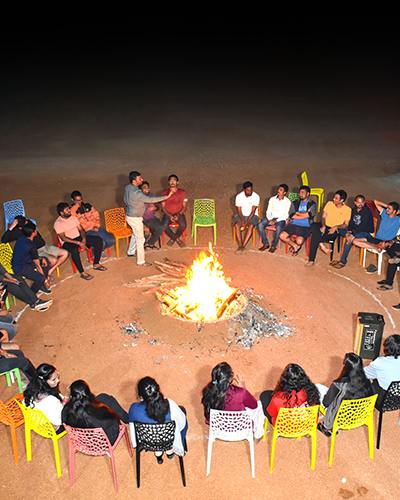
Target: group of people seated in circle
(82, 409)
(293, 222)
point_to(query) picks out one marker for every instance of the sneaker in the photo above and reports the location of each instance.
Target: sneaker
(272, 250)
(45, 290)
(396, 307)
(145, 264)
(382, 282)
(42, 305)
(385, 287)
(394, 260)
(371, 269)
(263, 248)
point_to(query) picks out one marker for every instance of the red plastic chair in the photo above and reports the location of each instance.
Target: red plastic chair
(94, 442)
(89, 253)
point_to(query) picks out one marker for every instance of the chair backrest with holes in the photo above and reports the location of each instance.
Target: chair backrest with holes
(204, 210)
(391, 400)
(6, 254)
(353, 413)
(155, 437)
(296, 422)
(230, 425)
(37, 421)
(12, 208)
(88, 441)
(304, 178)
(114, 219)
(293, 196)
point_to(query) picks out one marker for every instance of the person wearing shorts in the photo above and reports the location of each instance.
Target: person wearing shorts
(246, 217)
(298, 229)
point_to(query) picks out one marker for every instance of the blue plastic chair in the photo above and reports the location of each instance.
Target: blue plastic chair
(13, 208)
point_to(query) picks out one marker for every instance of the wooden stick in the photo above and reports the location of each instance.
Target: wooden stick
(225, 303)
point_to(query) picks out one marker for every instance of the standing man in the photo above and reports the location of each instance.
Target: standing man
(174, 211)
(135, 200)
(246, 217)
(335, 216)
(304, 210)
(361, 224)
(277, 213)
(75, 240)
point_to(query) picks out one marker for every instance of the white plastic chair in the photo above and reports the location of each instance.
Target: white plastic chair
(379, 254)
(230, 426)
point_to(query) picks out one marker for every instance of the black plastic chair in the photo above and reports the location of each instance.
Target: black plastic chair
(390, 402)
(156, 437)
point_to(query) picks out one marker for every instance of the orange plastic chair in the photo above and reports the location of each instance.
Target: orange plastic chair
(294, 423)
(94, 442)
(115, 223)
(36, 420)
(11, 415)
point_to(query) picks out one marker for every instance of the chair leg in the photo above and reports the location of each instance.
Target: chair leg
(19, 381)
(215, 234)
(380, 261)
(313, 449)
(8, 379)
(182, 467)
(57, 457)
(128, 443)
(378, 437)
(252, 461)
(58, 272)
(209, 455)
(114, 471)
(14, 444)
(272, 458)
(117, 247)
(71, 457)
(137, 467)
(194, 234)
(371, 439)
(28, 443)
(332, 449)
(264, 438)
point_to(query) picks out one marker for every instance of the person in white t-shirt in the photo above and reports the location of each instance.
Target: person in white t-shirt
(276, 217)
(246, 217)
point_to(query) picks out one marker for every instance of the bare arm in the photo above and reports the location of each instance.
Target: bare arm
(380, 205)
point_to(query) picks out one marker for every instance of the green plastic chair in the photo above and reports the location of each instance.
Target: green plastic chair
(293, 196)
(204, 216)
(10, 378)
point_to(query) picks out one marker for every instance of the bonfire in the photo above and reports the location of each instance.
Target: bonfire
(206, 296)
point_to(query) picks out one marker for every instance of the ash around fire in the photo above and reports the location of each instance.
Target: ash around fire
(255, 322)
(133, 328)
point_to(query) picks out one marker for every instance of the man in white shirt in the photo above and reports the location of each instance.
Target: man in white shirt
(277, 214)
(246, 203)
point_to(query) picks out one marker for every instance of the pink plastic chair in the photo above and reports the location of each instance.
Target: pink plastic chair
(94, 442)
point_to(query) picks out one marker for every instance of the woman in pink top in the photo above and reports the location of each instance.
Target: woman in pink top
(221, 394)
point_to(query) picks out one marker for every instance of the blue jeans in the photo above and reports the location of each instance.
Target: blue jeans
(348, 246)
(108, 238)
(278, 228)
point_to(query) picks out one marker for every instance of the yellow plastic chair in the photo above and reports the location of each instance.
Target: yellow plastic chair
(6, 254)
(353, 413)
(115, 223)
(318, 192)
(11, 415)
(36, 420)
(294, 423)
(204, 216)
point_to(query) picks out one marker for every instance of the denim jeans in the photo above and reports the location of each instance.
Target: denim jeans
(278, 228)
(108, 238)
(348, 246)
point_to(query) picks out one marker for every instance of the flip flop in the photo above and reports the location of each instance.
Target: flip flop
(86, 276)
(339, 265)
(99, 267)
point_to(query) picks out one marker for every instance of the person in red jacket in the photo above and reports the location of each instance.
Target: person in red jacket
(221, 394)
(293, 390)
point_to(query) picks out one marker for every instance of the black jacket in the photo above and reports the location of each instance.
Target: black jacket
(362, 221)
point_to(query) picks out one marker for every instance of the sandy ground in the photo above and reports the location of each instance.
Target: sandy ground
(89, 143)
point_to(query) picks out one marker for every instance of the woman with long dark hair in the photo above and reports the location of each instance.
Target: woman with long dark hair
(42, 393)
(155, 409)
(85, 411)
(222, 394)
(293, 390)
(352, 383)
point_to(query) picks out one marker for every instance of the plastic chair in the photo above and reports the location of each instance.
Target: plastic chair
(115, 223)
(294, 423)
(12, 208)
(89, 254)
(293, 196)
(10, 378)
(318, 192)
(96, 443)
(36, 420)
(353, 413)
(204, 216)
(230, 426)
(156, 437)
(6, 254)
(11, 415)
(391, 402)
(363, 257)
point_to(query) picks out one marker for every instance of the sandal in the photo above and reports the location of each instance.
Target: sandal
(86, 276)
(99, 267)
(324, 431)
(334, 262)
(339, 265)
